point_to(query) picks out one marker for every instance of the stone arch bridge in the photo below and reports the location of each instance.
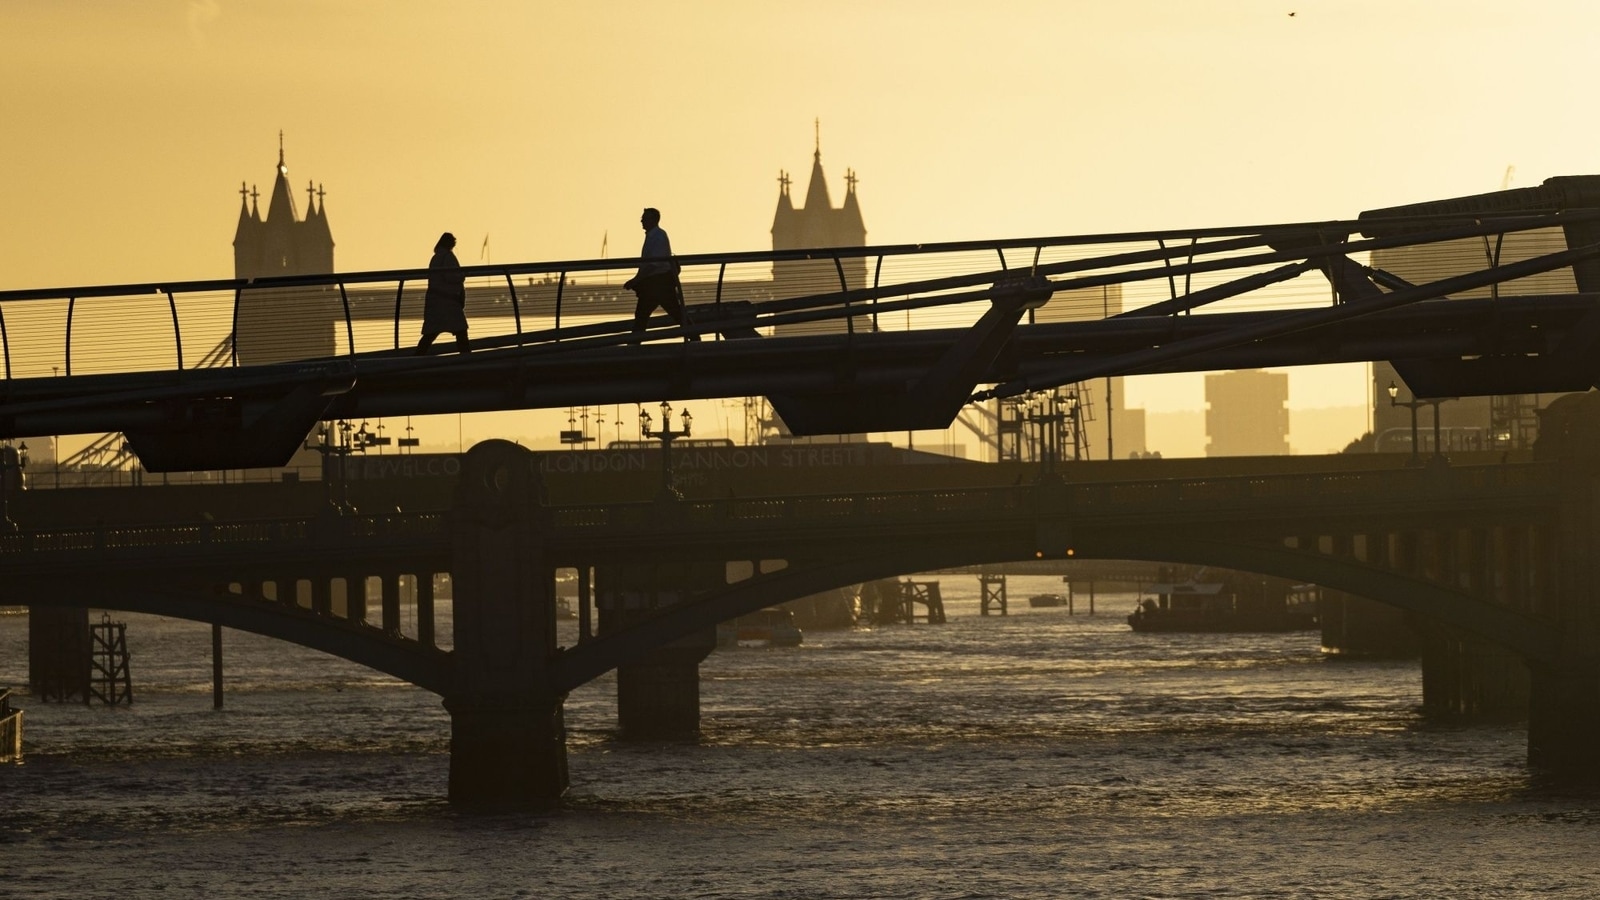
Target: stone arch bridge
(1501, 552)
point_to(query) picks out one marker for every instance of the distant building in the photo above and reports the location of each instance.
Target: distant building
(1109, 427)
(1247, 413)
(818, 224)
(282, 243)
(283, 324)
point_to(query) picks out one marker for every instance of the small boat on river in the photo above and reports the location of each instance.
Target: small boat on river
(772, 627)
(1235, 604)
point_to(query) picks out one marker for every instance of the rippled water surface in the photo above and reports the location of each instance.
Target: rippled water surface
(1037, 755)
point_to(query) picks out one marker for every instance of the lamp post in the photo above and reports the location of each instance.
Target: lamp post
(1046, 413)
(12, 459)
(666, 435)
(1030, 424)
(1413, 404)
(335, 443)
(1033, 419)
(1073, 411)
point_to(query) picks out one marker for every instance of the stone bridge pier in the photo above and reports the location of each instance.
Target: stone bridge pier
(1564, 695)
(507, 737)
(658, 696)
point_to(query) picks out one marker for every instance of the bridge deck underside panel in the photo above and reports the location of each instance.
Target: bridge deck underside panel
(818, 364)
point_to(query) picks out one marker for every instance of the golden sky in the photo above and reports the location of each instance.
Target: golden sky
(545, 126)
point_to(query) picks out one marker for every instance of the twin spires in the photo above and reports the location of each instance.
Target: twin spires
(281, 201)
(282, 243)
(817, 223)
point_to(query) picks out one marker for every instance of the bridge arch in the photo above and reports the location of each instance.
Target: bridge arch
(1512, 629)
(1518, 632)
(402, 658)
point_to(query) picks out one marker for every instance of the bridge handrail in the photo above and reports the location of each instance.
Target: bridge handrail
(1328, 227)
(1299, 241)
(686, 260)
(798, 310)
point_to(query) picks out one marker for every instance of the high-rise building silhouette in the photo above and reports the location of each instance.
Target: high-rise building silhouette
(1247, 413)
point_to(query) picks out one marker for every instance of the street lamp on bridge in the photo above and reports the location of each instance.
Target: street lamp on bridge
(335, 443)
(666, 435)
(1412, 404)
(1052, 414)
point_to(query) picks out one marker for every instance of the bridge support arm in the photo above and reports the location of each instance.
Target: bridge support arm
(937, 397)
(228, 433)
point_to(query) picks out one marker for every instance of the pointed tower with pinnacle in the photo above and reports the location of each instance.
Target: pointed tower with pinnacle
(817, 224)
(282, 243)
(280, 324)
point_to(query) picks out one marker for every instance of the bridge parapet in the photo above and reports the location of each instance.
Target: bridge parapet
(280, 533)
(1528, 485)
(1278, 508)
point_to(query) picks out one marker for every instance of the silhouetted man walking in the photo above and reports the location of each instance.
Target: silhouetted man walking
(656, 284)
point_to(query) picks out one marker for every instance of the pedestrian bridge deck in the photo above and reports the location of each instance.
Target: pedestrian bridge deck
(841, 340)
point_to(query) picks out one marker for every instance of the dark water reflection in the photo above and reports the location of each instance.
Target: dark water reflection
(1040, 755)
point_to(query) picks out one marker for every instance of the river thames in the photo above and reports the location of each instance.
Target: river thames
(1037, 755)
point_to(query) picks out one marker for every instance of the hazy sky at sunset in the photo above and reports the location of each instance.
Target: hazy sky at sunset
(129, 124)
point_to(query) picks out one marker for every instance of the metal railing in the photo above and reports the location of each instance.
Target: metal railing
(154, 326)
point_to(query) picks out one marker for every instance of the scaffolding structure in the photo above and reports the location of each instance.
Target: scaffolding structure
(109, 678)
(993, 585)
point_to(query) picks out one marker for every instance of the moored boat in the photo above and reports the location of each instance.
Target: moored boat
(1238, 604)
(770, 627)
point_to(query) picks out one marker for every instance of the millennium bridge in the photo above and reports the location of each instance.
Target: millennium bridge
(1500, 552)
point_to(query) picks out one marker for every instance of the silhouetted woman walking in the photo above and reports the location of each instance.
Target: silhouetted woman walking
(444, 307)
